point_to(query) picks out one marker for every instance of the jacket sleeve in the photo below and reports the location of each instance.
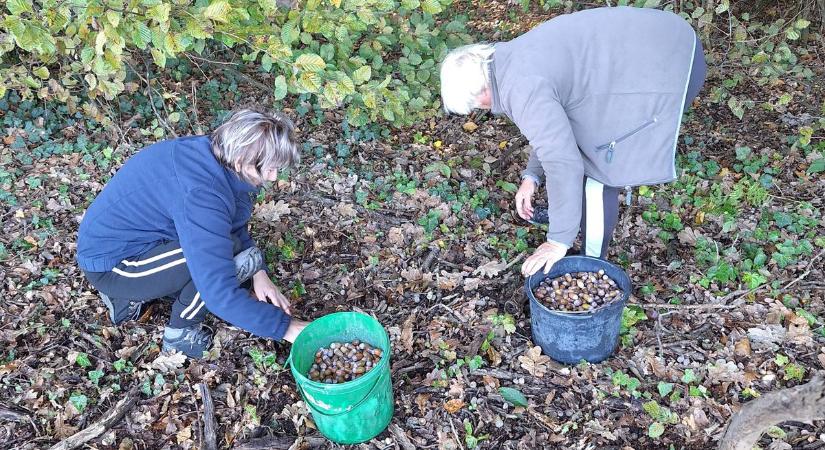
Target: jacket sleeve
(533, 171)
(204, 230)
(543, 121)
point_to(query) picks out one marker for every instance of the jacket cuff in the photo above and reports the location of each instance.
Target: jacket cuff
(561, 238)
(531, 177)
(281, 326)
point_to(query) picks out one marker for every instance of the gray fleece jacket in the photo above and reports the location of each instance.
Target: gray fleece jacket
(597, 93)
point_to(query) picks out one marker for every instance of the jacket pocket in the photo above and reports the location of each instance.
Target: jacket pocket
(611, 146)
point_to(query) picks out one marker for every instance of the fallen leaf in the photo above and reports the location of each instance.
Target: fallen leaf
(167, 362)
(688, 237)
(534, 362)
(407, 333)
(272, 211)
(742, 347)
(452, 406)
(471, 284)
(346, 210)
(184, 435)
(821, 358)
(490, 269)
(799, 332)
(469, 126)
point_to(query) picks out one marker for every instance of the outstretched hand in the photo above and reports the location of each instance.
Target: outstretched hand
(544, 257)
(524, 199)
(266, 291)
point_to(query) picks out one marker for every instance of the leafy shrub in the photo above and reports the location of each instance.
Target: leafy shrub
(377, 57)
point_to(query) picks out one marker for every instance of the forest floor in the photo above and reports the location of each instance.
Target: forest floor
(417, 227)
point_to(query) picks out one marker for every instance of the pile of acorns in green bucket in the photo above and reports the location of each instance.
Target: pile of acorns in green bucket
(578, 291)
(343, 361)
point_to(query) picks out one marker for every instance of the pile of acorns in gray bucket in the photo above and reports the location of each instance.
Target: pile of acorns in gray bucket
(578, 291)
(343, 361)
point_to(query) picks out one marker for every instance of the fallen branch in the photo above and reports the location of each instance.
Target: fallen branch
(401, 437)
(209, 438)
(281, 443)
(803, 403)
(807, 272)
(107, 421)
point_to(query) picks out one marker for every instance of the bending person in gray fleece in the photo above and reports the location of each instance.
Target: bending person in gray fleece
(600, 95)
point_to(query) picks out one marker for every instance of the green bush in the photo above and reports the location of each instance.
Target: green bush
(378, 58)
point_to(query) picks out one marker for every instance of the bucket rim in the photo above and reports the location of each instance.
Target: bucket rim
(580, 315)
(304, 381)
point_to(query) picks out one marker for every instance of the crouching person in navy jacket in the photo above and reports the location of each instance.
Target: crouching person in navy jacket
(172, 223)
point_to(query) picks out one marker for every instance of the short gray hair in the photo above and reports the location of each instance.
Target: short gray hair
(464, 76)
(254, 138)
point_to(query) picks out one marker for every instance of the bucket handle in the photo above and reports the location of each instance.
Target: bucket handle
(348, 408)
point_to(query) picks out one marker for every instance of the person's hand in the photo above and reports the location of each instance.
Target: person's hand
(544, 257)
(524, 198)
(294, 329)
(266, 291)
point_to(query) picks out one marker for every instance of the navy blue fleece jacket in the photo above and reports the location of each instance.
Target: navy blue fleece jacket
(178, 191)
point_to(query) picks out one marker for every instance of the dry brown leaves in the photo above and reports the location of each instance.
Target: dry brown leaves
(534, 362)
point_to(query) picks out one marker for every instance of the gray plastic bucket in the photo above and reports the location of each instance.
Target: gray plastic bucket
(572, 337)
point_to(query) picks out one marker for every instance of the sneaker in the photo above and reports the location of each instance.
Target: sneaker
(540, 216)
(122, 310)
(248, 263)
(192, 341)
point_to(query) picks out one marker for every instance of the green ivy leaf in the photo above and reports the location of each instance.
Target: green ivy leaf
(79, 401)
(310, 62)
(159, 57)
(280, 87)
(664, 388)
(816, 166)
(689, 376)
(655, 430)
(513, 396)
(218, 11)
(83, 360)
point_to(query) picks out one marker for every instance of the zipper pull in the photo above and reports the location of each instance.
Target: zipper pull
(627, 195)
(609, 154)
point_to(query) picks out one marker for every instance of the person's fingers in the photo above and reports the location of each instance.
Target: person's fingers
(520, 207)
(283, 302)
(548, 265)
(528, 206)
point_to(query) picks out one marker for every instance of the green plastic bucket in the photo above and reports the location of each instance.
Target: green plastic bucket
(351, 412)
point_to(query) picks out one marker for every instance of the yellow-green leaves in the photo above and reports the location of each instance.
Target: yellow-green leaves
(362, 74)
(218, 11)
(311, 62)
(310, 82)
(431, 6)
(280, 87)
(18, 7)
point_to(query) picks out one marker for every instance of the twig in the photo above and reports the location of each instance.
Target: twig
(703, 306)
(428, 261)
(209, 438)
(401, 437)
(107, 421)
(455, 433)
(460, 319)
(280, 443)
(807, 272)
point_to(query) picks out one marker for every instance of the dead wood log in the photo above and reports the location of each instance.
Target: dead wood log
(281, 443)
(209, 441)
(803, 403)
(107, 421)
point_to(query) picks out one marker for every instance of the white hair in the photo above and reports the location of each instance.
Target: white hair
(255, 140)
(464, 76)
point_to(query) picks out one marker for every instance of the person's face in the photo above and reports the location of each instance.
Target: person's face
(270, 174)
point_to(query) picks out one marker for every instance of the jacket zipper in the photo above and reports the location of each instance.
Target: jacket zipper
(612, 145)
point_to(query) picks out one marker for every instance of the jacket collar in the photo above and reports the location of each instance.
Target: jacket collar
(238, 185)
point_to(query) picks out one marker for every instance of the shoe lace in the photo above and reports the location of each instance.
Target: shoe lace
(198, 335)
